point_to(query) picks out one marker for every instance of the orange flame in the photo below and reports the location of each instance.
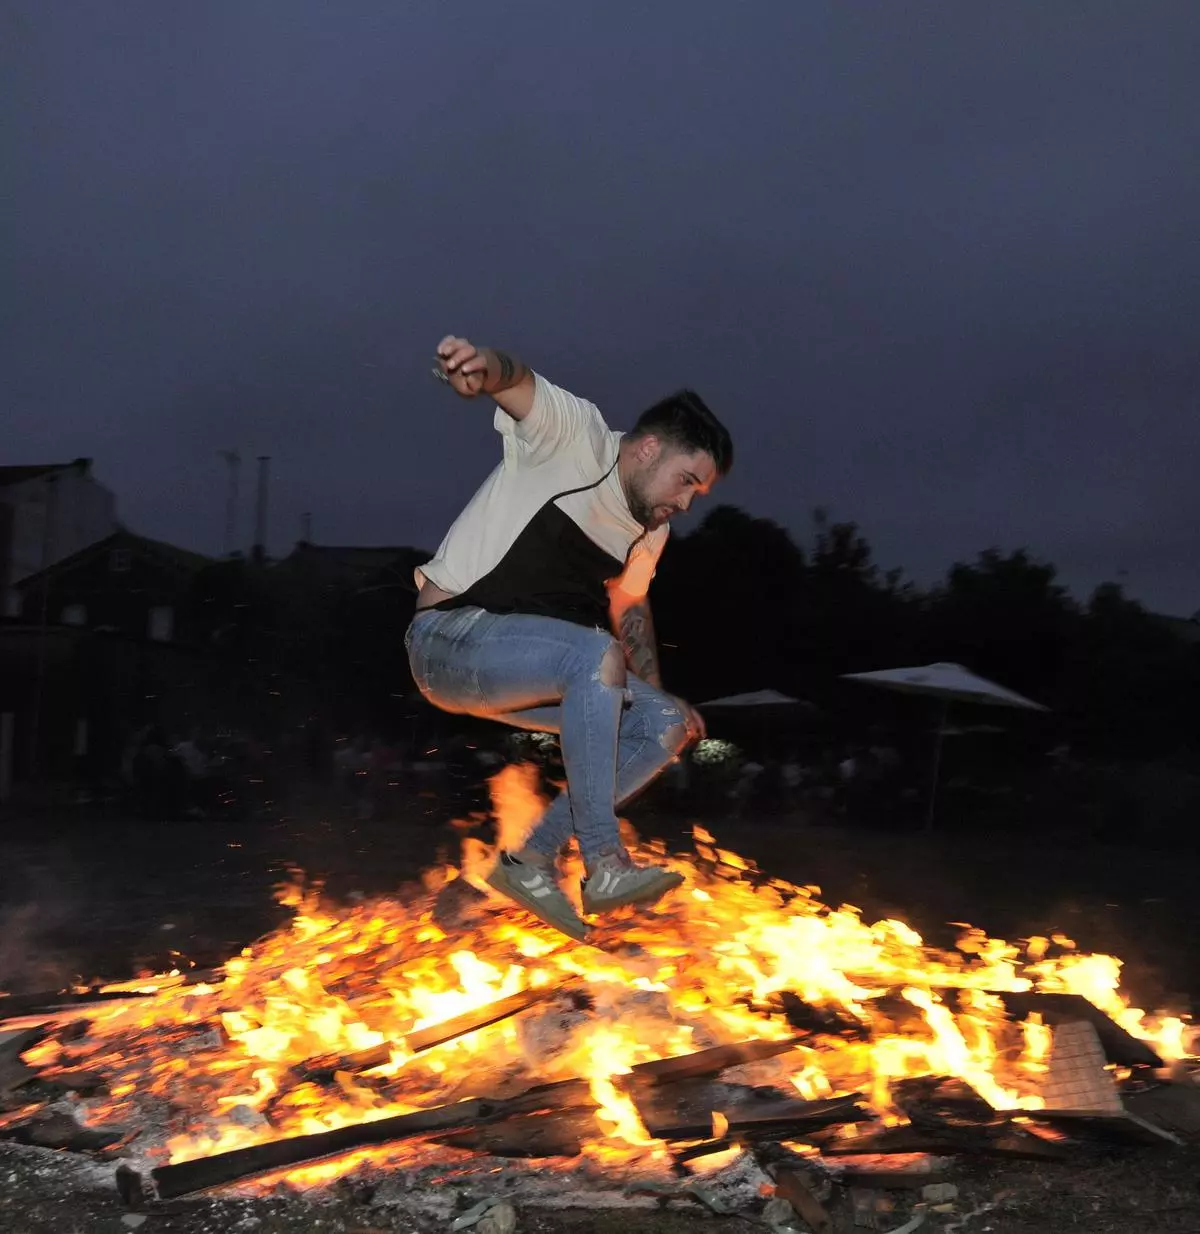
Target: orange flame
(702, 969)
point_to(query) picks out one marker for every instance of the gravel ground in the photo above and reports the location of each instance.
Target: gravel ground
(1144, 1192)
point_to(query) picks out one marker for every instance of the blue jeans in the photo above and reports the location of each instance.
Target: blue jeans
(544, 674)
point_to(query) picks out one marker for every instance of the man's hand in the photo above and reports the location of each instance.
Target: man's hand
(464, 364)
(693, 719)
(472, 371)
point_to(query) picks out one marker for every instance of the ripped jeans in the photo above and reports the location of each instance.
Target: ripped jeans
(545, 674)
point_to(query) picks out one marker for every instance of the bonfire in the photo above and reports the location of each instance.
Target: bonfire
(338, 1019)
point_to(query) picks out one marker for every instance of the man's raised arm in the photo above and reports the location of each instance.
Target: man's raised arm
(472, 370)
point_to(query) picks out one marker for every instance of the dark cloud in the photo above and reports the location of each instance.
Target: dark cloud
(936, 266)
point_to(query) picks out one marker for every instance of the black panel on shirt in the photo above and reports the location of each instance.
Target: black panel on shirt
(552, 569)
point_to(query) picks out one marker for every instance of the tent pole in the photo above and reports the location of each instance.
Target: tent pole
(939, 737)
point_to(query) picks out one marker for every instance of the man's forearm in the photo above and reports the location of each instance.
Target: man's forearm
(509, 382)
(635, 629)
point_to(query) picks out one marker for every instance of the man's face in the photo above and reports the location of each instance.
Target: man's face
(664, 479)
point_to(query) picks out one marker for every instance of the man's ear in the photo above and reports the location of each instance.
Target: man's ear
(648, 449)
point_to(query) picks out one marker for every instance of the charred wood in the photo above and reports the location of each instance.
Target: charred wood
(61, 1131)
(684, 1111)
(1123, 1128)
(1002, 1140)
(933, 1102)
(559, 1134)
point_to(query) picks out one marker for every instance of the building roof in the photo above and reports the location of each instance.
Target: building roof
(19, 473)
(359, 562)
(180, 559)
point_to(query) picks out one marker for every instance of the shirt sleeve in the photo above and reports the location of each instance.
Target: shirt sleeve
(642, 563)
(556, 420)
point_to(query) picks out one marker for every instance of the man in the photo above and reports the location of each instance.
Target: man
(514, 613)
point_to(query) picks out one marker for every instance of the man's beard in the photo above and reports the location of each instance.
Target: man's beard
(639, 507)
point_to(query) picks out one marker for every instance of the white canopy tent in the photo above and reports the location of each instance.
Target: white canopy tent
(950, 683)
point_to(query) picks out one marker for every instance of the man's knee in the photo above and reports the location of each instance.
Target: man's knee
(612, 667)
(676, 738)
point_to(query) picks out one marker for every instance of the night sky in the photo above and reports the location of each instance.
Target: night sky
(937, 265)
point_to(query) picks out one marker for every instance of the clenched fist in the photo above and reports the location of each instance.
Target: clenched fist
(464, 366)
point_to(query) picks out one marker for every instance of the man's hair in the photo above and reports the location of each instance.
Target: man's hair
(684, 421)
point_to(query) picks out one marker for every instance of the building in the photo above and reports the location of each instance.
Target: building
(97, 645)
(48, 511)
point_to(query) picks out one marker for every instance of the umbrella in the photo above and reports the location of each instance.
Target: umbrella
(757, 698)
(766, 710)
(951, 683)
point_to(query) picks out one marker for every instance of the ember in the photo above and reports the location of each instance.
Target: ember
(389, 1022)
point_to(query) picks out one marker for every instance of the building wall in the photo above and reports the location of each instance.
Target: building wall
(77, 508)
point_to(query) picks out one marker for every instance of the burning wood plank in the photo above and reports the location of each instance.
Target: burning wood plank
(684, 1111)
(221, 1169)
(1119, 1046)
(709, 1062)
(48, 1004)
(325, 1066)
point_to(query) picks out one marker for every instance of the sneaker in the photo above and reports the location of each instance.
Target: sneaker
(614, 880)
(531, 884)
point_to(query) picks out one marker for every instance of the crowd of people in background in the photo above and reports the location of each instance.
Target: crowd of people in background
(205, 774)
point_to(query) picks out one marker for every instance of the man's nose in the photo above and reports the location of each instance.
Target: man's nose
(685, 501)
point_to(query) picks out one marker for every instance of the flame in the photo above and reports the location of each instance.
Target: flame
(224, 1060)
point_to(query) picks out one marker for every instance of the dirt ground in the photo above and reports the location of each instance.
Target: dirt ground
(1148, 1191)
(100, 901)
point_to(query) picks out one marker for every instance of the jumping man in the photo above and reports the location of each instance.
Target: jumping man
(515, 613)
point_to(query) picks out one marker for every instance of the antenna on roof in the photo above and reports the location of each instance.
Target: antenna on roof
(233, 460)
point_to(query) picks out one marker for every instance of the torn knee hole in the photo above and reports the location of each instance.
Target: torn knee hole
(675, 738)
(612, 668)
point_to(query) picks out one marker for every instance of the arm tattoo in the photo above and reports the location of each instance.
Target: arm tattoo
(511, 372)
(637, 641)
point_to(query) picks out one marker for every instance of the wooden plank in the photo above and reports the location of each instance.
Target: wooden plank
(325, 1066)
(709, 1062)
(1123, 1128)
(941, 1101)
(1003, 1140)
(13, 1070)
(793, 1187)
(684, 1111)
(55, 1002)
(1175, 1107)
(559, 1134)
(205, 1173)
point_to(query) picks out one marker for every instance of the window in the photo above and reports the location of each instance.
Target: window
(119, 560)
(12, 603)
(74, 615)
(160, 624)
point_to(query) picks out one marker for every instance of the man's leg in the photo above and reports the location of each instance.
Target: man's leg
(473, 662)
(652, 735)
(486, 664)
(479, 663)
